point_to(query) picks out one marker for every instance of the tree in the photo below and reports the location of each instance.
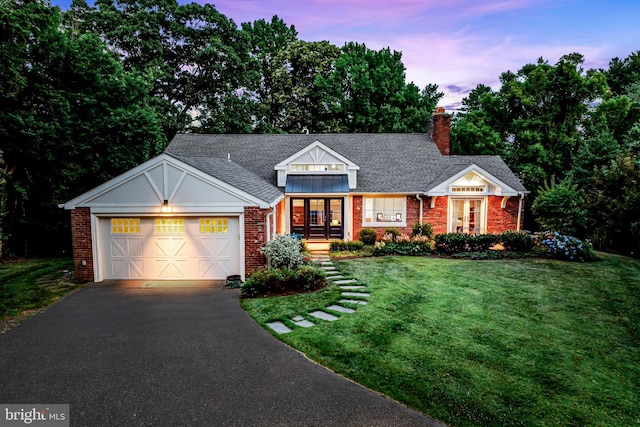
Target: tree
(70, 118)
(367, 92)
(295, 98)
(267, 41)
(195, 57)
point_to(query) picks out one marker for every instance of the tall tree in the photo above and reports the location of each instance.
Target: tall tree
(268, 41)
(295, 98)
(70, 118)
(196, 58)
(367, 92)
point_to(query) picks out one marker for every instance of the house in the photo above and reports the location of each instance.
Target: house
(203, 208)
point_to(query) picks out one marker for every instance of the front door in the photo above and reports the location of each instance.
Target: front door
(314, 218)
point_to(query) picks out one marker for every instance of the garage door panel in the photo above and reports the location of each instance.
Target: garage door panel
(189, 248)
(171, 268)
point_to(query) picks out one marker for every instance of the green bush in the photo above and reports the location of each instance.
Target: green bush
(393, 231)
(285, 251)
(368, 236)
(451, 243)
(481, 242)
(418, 245)
(518, 241)
(274, 281)
(422, 229)
(560, 207)
(341, 245)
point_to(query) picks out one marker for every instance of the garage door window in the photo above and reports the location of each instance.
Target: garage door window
(125, 225)
(169, 225)
(214, 225)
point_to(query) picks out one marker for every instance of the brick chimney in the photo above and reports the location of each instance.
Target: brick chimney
(439, 129)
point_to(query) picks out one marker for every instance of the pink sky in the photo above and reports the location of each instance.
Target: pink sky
(458, 44)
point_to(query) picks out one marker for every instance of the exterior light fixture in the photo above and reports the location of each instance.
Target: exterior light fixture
(165, 207)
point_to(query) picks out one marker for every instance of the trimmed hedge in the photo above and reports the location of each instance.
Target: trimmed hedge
(276, 281)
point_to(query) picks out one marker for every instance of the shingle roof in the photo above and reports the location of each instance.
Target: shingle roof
(234, 175)
(389, 163)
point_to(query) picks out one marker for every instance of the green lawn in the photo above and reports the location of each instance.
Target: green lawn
(510, 342)
(18, 288)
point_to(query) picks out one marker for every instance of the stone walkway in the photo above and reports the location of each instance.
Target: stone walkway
(353, 296)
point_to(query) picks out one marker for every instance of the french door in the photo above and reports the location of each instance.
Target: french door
(467, 216)
(315, 218)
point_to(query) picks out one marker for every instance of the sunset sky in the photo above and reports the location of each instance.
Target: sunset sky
(458, 44)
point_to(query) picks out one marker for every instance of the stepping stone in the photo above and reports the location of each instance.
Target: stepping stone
(301, 321)
(355, 294)
(347, 288)
(345, 282)
(328, 268)
(305, 323)
(341, 309)
(334, 277)
(353, 301)
(324, 316)
(326, 263)
(279, 327)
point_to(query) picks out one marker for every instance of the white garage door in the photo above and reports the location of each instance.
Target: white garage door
(202, 248)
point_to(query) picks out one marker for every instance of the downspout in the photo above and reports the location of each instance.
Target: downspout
(421, 202)
(268, 221)
(519, 211)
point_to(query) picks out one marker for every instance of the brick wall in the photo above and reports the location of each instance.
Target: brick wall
(255, 235)
(498, 219)
(437, 216)
(82, 244)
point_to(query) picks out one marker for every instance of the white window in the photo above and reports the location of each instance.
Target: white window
(381, 211)
(317, 168)
(478, 189)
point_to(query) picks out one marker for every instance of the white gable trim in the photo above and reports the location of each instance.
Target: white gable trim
(143, 170)
(500, 188)
(317, 151)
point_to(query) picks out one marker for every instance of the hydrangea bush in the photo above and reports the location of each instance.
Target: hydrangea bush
(560, 246)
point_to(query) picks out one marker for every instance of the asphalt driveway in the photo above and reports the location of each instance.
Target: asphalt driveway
(138, 354)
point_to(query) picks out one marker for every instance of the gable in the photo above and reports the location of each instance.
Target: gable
(471, 179)
(317, 159)
(146, 187)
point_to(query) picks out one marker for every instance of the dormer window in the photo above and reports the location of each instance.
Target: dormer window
(317, 168)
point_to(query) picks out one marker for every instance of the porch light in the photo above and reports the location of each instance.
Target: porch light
(165, 207)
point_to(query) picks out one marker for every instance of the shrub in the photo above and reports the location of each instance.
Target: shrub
(559, 246)
(481, 242)
(285, 251)
(518, 241)
(368, 236)
(560, 206)
(270, 281)
(420, 229)
(404, 245)
(341, 245)
(393, 231)
(451, 243)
